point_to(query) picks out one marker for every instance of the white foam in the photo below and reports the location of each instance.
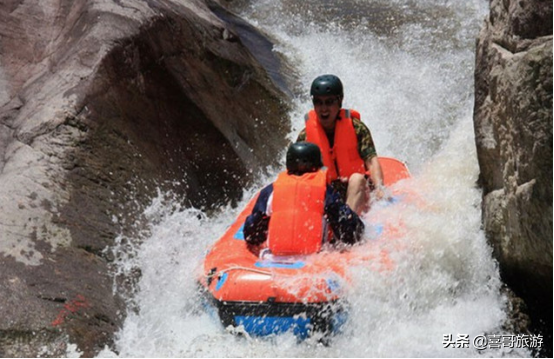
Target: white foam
(415, 91)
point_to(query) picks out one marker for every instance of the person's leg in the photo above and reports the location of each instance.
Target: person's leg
(357, 195)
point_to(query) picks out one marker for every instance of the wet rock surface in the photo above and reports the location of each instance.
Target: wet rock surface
(101, 104)
(513, 125)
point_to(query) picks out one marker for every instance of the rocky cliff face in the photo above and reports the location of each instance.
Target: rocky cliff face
(101, 102)
(513, 125)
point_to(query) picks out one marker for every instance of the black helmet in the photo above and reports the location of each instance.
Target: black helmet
(303, 157)
(326, 85)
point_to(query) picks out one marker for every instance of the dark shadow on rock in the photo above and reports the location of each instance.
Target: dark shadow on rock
(175, 103)
(513, 131)
(259, 45)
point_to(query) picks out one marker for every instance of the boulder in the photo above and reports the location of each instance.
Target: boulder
(513, 128)
(102, 103)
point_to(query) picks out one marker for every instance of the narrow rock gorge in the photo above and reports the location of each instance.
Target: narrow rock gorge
(102, 103)
(513, 126)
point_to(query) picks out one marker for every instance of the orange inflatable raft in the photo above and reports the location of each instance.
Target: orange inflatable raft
(266, 294)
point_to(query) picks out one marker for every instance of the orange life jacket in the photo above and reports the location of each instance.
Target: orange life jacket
(343, 159)
(297, 219)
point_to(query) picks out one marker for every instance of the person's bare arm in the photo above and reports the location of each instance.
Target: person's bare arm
(376, 173)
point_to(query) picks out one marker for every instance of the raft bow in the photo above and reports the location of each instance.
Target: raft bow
(264, 294)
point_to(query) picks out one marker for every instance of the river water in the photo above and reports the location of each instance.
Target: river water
(407, 66)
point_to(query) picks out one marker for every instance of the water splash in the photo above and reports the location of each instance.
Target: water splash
(408, 67)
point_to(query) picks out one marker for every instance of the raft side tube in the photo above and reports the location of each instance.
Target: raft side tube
(266, 318)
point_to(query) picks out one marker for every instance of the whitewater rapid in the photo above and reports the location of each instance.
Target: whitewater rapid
(407, 66)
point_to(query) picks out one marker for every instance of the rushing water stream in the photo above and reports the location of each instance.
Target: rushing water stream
(407, 66)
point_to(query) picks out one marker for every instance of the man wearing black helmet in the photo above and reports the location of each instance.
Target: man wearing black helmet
(294, 212)
(346, 144)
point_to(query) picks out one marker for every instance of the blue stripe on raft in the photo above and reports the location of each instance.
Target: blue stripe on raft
(240, 233)
(378, 228)
(338, 321)
(391, 200)
(394, 199)
(333, 285)
(268, 264)
(262, 326)
(221, 281)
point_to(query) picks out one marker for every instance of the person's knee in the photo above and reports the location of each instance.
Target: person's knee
(357, 182)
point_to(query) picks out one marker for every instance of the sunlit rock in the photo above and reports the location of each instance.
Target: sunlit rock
(101, 103)
(513, 125)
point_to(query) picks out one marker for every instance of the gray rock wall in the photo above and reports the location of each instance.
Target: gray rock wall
(101, 102)
(513, 127)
